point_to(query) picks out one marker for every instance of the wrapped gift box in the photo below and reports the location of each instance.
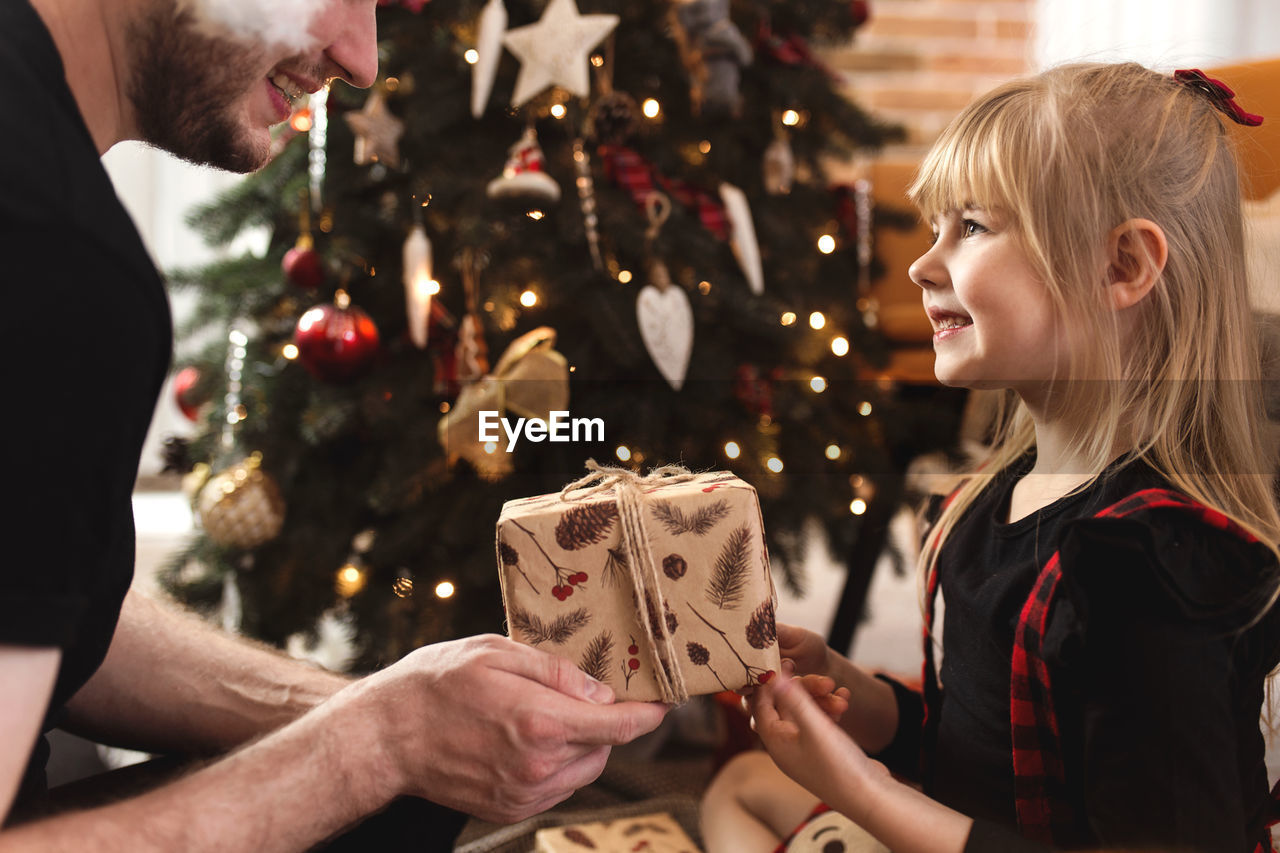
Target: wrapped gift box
(569, 588)
(652, 833)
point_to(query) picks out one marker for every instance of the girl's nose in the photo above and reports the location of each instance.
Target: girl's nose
(926, 271)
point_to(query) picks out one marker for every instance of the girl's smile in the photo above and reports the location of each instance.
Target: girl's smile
(994, 324)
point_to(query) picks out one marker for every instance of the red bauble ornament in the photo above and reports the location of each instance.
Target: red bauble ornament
(186, 394)
(303, 267)
(336, 342)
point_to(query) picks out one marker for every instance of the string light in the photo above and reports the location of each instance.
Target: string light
(403, 587)
(535, 215)
(705, 146)
(790, 118)
(704, 287)
(624, 276)
(858, 506)
(472, 56)
(788, 317)
(833, 451)
(826, 244)
(597, 60)
(840, 345)
(818, 384)
(817, 320)
(528, 299)
(864, 409)
(774, 464)
(623, 452)
(301, 121)
(557, 110)
(491, 447)
(289, 351)
(350, 580)
(445, 407)
(732, 450)
(651, 108)
(444, 589)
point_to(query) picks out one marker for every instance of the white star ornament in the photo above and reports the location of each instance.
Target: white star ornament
(556, 50)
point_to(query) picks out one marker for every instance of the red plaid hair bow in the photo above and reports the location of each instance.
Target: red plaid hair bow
(1218, 93)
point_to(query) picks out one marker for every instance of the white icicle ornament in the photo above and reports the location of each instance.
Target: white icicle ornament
(419, 287)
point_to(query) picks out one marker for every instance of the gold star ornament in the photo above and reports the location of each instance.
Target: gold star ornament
(377, 132)
(556, 50)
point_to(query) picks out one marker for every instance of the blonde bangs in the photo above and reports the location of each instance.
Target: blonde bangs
(976, 162)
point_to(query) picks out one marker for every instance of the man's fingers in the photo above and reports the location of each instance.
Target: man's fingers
(613, 725)
(580, 771)
(558, 674)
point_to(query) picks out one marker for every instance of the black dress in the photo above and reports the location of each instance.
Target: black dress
(1157, 675)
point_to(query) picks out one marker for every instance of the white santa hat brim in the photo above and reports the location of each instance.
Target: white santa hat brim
(285, 23)
(537, 185)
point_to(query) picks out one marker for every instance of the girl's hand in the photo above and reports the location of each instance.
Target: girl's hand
(806, 649)
(831, 700)
(807, 744)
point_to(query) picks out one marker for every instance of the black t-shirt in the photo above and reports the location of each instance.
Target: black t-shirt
(87, 342)
(1157, 692)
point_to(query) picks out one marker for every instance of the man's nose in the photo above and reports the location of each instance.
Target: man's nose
(350, 31)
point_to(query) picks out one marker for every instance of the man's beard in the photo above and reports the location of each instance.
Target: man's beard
(184, 87)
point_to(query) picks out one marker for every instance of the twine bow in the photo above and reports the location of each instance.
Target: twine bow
(640, 562)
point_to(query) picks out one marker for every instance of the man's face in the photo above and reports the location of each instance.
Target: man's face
(212, 100)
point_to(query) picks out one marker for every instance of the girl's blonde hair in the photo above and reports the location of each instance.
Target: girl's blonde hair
(1068, 155)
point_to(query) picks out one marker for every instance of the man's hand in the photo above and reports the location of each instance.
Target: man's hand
(490, 727)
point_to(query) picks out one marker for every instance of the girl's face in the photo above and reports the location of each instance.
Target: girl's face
(994, 325)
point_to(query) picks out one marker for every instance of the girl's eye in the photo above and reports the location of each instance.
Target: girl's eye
(969, 227)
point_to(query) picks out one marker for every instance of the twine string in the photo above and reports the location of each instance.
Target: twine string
(642, 567)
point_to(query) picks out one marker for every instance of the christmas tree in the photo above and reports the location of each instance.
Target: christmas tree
(619, 210)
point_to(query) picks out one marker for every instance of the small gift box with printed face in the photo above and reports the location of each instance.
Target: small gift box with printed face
(651, 833)
(658, 585)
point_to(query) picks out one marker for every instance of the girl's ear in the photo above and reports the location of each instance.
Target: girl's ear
(1136, 254)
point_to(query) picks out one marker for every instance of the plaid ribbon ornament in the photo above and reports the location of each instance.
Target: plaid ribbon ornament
(629, 170)
(1041, 798)
(1218, 93)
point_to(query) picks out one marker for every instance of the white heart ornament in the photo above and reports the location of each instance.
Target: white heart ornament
(666, 325)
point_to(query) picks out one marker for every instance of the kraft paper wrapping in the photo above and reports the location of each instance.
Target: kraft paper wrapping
(568, 586)
(652, 833)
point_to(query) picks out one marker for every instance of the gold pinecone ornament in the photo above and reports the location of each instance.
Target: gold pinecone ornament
(241, 507)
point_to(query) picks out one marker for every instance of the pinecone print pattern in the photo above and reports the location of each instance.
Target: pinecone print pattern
(699, 656)
(577, 836)
(762, 630)
(712, 565)
(585, 525)
(510, 558)
(668, 616)
(754, 674)
(674, 566)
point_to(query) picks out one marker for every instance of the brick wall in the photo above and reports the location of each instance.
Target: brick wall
(918, 62)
